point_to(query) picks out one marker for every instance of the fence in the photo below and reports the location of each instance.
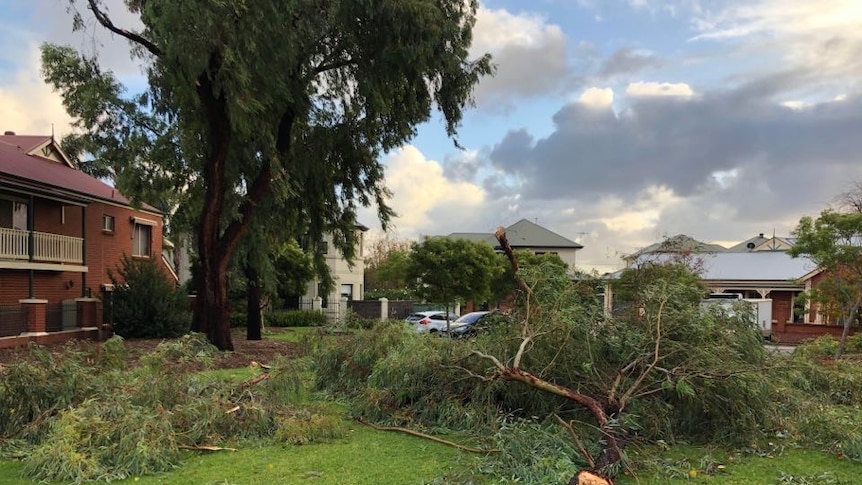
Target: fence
(61, 316)
(376, 309)
(13, 320)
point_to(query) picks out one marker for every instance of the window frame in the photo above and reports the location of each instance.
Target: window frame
(113, 223)
(136, 239)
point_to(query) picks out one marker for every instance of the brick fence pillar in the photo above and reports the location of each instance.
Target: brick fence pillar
(37, 317)
(384, 308)
(86, 310)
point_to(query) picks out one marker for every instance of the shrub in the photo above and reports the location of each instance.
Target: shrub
(295, 318)
(357, 321)
(145, 303)
(238, 319)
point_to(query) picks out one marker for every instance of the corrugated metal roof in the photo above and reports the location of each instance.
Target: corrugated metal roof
(748, 266)
(16, 163)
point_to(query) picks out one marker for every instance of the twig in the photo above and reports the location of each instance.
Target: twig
(426, 436)
(254, 381)
(574, 436)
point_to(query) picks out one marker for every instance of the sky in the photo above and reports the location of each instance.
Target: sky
(614, 123)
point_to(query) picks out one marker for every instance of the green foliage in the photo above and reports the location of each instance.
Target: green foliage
(355, 321)
(295, 318)
(832, 242)
(448, 269)
(400, 294)
(145, 303)
(308, 426)
(82, 420)
(531, 452)
(104, 439)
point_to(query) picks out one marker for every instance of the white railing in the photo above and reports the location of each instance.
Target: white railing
(52, 248)
(13, 244)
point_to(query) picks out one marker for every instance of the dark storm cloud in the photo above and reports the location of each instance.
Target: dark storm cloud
(678, 143)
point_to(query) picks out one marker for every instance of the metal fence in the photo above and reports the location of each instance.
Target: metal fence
(13, 320)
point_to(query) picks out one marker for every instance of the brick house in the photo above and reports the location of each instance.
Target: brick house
(61, 231)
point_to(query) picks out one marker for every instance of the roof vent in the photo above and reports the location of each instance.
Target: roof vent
(8, 133)
(761, 235)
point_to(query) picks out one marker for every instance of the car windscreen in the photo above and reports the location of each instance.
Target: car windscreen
(471, 318)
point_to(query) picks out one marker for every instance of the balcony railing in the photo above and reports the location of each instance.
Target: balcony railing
(47, 248)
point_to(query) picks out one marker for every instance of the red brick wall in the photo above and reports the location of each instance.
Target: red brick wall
(103, 250)
(782, 309)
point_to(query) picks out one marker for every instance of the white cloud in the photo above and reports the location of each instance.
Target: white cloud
(28, 106)
(641, 88)
(529, 52)
(597, 97)
(819, 40)
(424, 199)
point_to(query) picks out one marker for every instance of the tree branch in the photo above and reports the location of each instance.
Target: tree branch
(106, 22)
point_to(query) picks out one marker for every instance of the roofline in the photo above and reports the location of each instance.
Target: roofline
(34, 186)
(66, 160)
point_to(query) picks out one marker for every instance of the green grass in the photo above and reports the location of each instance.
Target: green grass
(668, 468)
(366, 457)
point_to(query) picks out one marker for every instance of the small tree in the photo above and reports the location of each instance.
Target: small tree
(145, 303)
(447, 269)
(833, 241)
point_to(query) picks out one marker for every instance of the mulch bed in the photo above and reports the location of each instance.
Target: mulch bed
(245, 351)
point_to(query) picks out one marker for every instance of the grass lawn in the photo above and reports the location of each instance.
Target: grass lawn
(806, 467)
(366, 457)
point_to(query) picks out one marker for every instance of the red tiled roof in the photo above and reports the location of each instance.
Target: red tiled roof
(15, 162)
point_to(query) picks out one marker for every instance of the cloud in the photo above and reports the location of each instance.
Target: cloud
(680, 143)
(597, 97)
(642, 88)
(821, 39)
(529, 52)
(424, 199)
(27, 104)
(628, 61)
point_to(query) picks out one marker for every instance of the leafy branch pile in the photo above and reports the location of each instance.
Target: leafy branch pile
(81, 415)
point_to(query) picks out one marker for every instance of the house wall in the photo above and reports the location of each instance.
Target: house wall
(566, 254)
(342, 273)
(103, 251)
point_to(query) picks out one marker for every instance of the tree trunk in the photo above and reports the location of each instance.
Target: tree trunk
(847, 324)
(253, 321)
(212, 312)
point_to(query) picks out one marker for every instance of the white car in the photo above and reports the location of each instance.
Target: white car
(430, 322)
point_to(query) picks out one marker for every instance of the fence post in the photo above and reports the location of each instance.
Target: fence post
(342, 309)
(384, 308)
(457, 309)
(317, 304)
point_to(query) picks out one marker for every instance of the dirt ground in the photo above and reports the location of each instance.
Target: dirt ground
(245, 351)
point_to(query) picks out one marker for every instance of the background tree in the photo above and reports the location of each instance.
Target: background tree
(299, 97)
(833, 242)
(447, 269)
(386, 268)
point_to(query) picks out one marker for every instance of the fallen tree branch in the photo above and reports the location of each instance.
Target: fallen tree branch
(205, 448)
(586, 454)
(425, 436)
(254, 381)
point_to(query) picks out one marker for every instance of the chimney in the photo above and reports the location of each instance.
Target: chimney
(761, 235)
(8, 133)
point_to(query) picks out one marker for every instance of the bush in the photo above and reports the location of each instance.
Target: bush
(295, 318)
(146, 304)
(357, 321)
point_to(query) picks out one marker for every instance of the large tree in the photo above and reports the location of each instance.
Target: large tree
(294, 97)
(833, 241)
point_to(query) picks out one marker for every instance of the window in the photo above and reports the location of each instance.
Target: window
(324, 247)
(107, 223)
(141, 240)
(13, 214)
(347, 291)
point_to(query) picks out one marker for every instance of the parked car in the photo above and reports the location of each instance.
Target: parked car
(431, 321)
(468, 324)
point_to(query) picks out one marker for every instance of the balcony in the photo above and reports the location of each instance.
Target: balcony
(47, 248)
